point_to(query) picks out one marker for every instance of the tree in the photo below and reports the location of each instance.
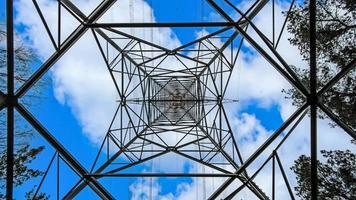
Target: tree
(24, 153)
(336, 177)
(336, 47)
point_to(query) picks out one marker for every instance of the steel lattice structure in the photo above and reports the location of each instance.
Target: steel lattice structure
(156, 100)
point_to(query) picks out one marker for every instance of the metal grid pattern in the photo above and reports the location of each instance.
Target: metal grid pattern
(156, 101)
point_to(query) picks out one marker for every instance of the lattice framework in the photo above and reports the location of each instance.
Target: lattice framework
(155, 101)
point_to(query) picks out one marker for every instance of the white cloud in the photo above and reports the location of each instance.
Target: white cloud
(84, 82)
(148, 189)
(254, 77)
(249, 133)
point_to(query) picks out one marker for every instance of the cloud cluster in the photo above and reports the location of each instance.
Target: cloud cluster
(148, 189)
(84, 84)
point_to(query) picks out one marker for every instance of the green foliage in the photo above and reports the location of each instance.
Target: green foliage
(39, 196)
(24, 57)
(22, 159)
(336, 177)
(23, 156)
(336, 47)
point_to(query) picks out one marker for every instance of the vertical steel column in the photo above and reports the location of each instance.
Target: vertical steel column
(10, 100)
(313, 101)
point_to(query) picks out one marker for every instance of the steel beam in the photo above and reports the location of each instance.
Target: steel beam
(346, 69)
(10, 100)
(337, 120)
(160, 24)
(123, 175)
(313, 99)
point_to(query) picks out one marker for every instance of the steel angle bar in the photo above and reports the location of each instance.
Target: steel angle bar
(337, 120)
(337, 77)
(10, 99)
(313, 100)
(160, 24)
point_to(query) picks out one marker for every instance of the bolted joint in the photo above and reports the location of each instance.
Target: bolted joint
(219, 99)
(171, 53)
(123, 101)
(8, 100)
(312, 99)
(171, 148)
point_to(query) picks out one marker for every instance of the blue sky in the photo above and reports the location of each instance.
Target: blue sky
(59, 118)
(63, 117)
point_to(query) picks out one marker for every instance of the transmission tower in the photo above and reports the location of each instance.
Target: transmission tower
(170, 101)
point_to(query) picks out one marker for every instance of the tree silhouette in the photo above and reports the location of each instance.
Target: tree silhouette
(336, 177)
(24, 154)
(336, 47)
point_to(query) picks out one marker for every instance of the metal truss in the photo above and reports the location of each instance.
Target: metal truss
(164, 92)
